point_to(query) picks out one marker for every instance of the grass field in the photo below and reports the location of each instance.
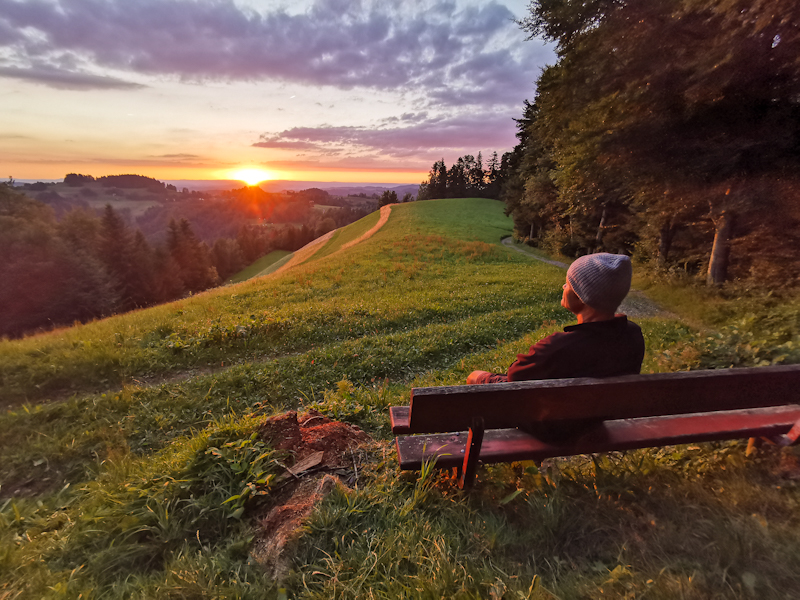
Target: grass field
(132, 465)
(262, 266)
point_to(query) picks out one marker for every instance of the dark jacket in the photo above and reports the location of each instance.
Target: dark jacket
(596, 349)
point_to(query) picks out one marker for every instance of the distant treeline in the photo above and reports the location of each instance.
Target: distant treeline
(668, 129)
(122, 181)
(466, 178)
(87, 265)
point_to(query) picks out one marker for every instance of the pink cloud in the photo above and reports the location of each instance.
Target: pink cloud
(429, 138)
(65, 79)
(456, 56)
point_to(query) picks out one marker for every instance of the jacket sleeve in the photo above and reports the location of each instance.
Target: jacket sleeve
(493, 378)
(539, 362)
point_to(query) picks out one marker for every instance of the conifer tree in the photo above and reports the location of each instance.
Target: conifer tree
(116, 253)
(665, 118)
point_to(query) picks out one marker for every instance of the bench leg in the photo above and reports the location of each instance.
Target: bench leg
(472, 453)
(790, 438)
(787, 439)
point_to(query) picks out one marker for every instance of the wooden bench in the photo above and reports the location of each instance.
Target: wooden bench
(464, 424)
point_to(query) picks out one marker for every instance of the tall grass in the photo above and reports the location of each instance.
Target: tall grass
(128, 445)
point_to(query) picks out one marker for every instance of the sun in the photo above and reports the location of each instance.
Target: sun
(251, 175)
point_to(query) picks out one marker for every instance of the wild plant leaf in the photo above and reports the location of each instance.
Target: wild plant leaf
(510, 497)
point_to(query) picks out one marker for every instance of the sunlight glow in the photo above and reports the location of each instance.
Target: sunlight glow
(251, 175)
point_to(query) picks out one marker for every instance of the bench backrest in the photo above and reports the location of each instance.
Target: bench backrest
(515, 404)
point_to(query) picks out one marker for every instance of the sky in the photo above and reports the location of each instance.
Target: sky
(313, 90)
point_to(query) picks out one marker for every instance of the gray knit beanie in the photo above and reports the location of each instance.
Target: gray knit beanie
(601, 280)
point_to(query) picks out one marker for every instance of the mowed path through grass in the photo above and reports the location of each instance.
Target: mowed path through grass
(157, 491)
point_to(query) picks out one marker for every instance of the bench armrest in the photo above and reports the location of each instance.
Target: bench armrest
(400, 416)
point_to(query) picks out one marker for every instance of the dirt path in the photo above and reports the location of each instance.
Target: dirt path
(385, 212)
(305, 252)
(509, 243)
(636, 305)
(315, 246)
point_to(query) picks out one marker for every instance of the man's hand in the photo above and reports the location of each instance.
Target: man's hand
(478, 377)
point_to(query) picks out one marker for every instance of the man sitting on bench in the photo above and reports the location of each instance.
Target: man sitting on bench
(602, 344)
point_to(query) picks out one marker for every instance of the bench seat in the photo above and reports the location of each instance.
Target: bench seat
(509, 445)
(463, 425)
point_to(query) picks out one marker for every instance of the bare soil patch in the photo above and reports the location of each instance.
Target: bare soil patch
(34, 483)
(326, 454)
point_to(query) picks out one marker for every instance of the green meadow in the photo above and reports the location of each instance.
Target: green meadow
(132, 465)
(263, 266)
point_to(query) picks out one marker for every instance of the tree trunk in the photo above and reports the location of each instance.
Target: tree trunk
(598, 238)
(720, 251)
(665, 236)
(531, 234)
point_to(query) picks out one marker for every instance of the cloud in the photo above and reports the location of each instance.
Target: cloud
(424, 138)
(276, 142)
(161, 161)
(181, 156)
(63, 79)
(124, 162)
(350, 165)
(426, 46)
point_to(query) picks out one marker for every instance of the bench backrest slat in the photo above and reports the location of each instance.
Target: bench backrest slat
(440, 409)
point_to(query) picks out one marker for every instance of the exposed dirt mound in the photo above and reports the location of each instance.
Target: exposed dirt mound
(325, 455)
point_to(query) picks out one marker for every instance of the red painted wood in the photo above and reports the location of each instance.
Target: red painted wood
(400, 419)
(793, 434)
(472, 453)
(503, 405)
(506, 445)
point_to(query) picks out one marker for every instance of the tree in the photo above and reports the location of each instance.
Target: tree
(476, 177)
(81, 230)
(457, 180)
(493, 177)
(227, 257)
(46, 282)
(329, 224)
(654, 105)
(77, 180)
(115, 251)
(192, 257)
(436, 186)
(387, 197)
(528, 190)
(423, 193)
(142, 284)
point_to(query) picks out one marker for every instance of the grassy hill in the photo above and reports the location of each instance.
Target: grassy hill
(134, 464)
(263, 266)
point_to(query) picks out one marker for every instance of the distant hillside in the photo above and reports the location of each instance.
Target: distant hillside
(354, 189)
(338, 188)
(279, 185)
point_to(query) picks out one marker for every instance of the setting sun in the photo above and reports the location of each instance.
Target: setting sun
(251, 175)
